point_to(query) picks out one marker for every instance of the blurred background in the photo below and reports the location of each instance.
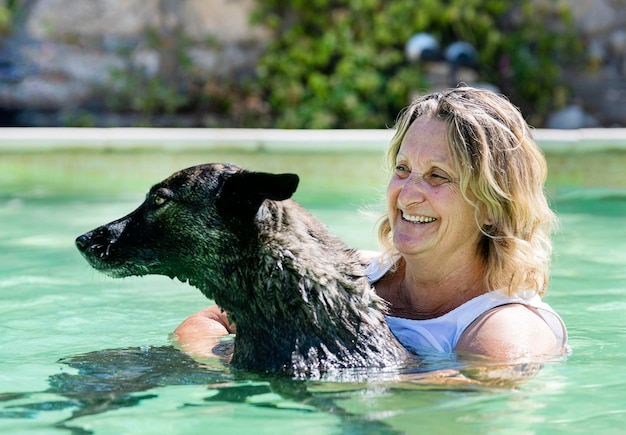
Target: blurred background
(304, 64)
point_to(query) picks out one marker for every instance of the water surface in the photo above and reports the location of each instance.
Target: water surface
(83, 353)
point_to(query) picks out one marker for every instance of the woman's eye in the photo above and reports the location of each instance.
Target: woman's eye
(437, 178)
(401, 170)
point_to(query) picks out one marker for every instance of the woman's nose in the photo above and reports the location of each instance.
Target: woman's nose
(412, 189)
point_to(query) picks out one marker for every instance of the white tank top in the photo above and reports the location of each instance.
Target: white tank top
(441, 334)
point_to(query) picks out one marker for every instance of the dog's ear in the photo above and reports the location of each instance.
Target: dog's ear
(243, 192)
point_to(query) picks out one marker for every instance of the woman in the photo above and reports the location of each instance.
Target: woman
(466, 246)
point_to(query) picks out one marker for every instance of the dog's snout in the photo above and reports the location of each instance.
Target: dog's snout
(97, 242)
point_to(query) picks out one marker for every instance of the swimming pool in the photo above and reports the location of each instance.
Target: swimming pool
(82, 353)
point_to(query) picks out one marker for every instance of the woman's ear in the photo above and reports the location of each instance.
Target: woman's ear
(485, 217)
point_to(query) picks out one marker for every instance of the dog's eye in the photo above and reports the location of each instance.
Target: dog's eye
(160, 196)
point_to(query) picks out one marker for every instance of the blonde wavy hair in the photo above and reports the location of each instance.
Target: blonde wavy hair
(502, 173)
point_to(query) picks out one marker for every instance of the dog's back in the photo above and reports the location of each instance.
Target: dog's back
(299, 296)
(319, 311)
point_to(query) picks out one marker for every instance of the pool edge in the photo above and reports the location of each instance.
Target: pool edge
(34, 139)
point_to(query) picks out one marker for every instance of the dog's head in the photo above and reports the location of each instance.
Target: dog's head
(185, 222)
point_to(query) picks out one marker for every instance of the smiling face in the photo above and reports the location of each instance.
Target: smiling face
(427, 212)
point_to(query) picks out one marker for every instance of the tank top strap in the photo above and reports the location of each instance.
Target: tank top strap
(379, 266)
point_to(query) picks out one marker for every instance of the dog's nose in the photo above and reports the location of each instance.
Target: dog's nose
(83, 242)
(97, 242)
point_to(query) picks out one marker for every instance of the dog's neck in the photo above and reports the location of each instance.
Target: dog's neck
(300, 299)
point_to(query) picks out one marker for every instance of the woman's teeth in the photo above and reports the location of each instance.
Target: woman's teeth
(418, 219)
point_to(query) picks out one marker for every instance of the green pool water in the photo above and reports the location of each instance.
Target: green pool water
(83, 353)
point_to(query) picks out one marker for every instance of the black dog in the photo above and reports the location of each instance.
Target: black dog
(298, 295)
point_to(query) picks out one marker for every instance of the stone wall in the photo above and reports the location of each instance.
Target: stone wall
(600, 88)
(64, 49)
(61, 50)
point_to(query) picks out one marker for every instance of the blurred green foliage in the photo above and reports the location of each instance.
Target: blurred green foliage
(5, 21)
(8, 10)
(341, 64)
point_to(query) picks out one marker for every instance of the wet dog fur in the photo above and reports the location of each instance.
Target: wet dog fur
(299, 297)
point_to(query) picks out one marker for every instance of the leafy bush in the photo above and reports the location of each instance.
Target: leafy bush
(341, 64)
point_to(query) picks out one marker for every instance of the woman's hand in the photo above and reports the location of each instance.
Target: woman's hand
(199, 334)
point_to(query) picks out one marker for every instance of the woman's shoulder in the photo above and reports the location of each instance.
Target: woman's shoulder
(510, 332)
